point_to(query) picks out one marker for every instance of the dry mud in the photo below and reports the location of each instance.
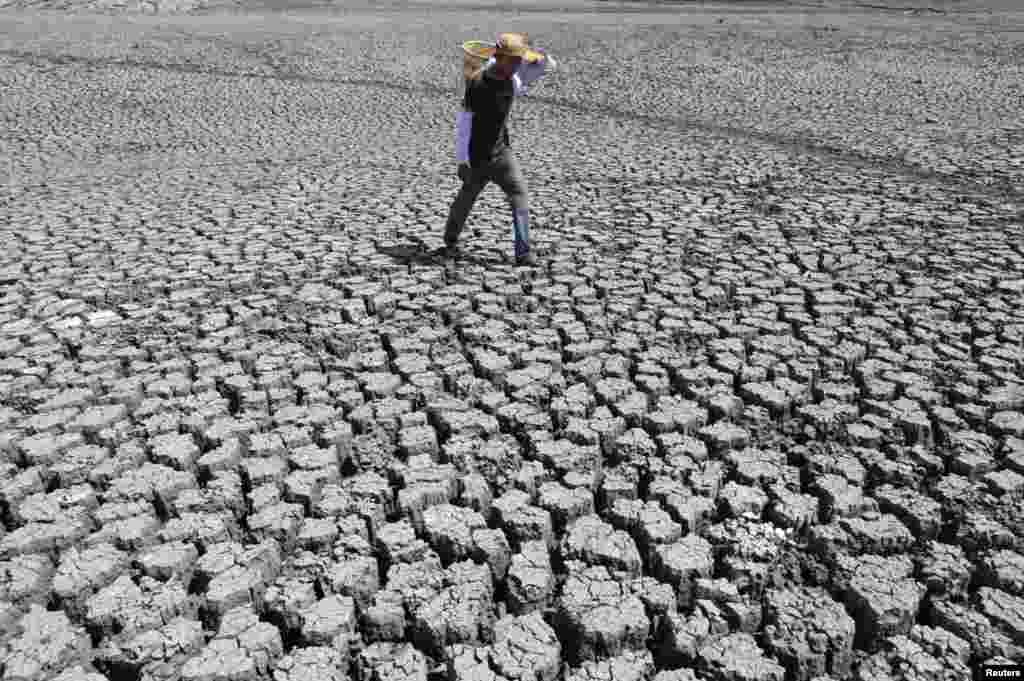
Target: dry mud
(758, 413)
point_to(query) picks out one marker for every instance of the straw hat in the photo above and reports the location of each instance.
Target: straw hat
(477, 52)
(511, 45)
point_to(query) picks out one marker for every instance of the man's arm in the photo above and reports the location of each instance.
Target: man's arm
(463, 130)
(464, 126)
(528, 72)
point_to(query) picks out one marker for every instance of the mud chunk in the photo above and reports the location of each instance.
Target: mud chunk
(491, 547)
(65, 530)
(530, 579)
(47, 449)
(841, 499)
(693, 512)
(525, 648)
(634, 446)
(940, 643)
(970, 625)
(659, 599)
(468, 423)
(264, 471)
(355, 576)
(15, 489)
(882, 597)
(738, 657)
(792, 510)
(287, 600)
(597, 543)
(1003, 569)
(126, 608)
(496, 459)
(944, 570)
(750, 552)
(682, 563)
(462, 613)
(384, 618)
(244, 648)
(233, 575)
(810, 634)
(391, 662)
(78, 674)
(564, 457)
(202, 529)
(737, 499)
(757, 467)
(476, 494)
(978, 532)
(676, 675)
(708, 478)
(521, 521)
(417, 582)
(75, 467)
(630, 666)
(648, 524)
(426, 484)
(280, 522)
(1004, 610)
(449, 530)
(176, 451)
(882, 535)
(723, 435)
(47, 644)
(317, 535)
(151, 482)
(263, 497)
(900, 653)
(829, 541)
(314, 663)
(418, 440)
(39, 509)
(26, 579)
(330, 623)
(157, 653)
(334, 501)
(565, 505)
(843, 463)
(467, 662)
(621, 483)
(168, 561)
(608, 428)
(1005, 483)
(921, 514)
(128, 526)
(599, 617)
(684, 635)
(398, 543)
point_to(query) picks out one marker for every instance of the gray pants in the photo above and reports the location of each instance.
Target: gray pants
(503, 171)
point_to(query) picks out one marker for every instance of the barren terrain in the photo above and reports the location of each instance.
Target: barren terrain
(757, 415)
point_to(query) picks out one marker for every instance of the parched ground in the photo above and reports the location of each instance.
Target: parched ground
(757, 415)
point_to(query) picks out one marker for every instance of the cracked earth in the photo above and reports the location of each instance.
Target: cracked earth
(758, 413)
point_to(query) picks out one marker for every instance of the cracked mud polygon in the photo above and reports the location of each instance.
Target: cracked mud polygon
(757, 414)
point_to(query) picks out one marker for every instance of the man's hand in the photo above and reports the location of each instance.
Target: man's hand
(465, 172)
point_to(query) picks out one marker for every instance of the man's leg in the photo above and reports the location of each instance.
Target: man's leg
(509, 177)
(463, 203)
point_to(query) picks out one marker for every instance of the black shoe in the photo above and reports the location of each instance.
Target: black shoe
(448, 251)
(526, 260)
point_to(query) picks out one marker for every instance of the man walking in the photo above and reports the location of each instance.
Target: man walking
(482, 147)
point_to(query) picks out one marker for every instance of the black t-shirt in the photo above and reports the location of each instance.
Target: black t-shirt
(490, 100)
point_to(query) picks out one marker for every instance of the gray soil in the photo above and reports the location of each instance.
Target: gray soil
(757, 413)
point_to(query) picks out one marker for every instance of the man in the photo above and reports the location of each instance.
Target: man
(482, 147)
